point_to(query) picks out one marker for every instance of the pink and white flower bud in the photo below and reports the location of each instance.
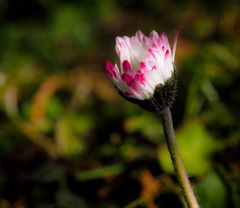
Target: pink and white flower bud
(145, 62)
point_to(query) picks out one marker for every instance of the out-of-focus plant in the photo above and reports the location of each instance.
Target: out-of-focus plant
(110, 159)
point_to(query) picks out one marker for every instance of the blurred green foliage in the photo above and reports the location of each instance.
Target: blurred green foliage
(67, 139)
(199, 148)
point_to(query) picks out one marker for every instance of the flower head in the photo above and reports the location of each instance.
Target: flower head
(145, 63)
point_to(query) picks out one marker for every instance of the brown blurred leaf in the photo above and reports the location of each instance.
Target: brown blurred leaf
(87, 80)
(150, 188)
(30, 131)
(42, 96)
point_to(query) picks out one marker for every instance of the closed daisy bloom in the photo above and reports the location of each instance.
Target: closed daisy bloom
(145, 63)
(146, 77)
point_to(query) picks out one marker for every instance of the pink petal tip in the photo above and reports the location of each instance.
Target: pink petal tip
(126, 66)
(110, 69)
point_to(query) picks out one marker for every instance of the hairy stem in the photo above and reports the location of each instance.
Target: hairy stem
(176, 159)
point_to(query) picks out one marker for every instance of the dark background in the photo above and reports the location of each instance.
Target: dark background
(67, 139)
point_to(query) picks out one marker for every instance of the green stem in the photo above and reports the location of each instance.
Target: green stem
(176, 159)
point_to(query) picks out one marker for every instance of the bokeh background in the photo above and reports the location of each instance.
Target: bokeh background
(68, 140)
